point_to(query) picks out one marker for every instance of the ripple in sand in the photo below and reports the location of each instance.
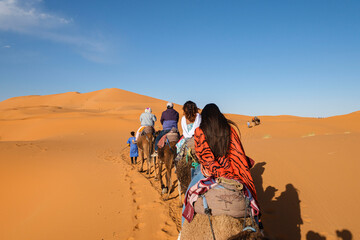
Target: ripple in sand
(267, 136)
(309, 135)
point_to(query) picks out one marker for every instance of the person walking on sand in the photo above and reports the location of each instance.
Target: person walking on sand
(169, 119)
(146, 119)
(133, 148)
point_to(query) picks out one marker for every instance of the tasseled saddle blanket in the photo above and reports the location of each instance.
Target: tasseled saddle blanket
(172, 136)
(223, 197)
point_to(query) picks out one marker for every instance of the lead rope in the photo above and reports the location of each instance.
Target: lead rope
(189, 155)
(252, 228)
(167, 142)
(246, 208)
(208, 213)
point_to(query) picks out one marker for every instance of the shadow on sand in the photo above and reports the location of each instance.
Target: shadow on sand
(343, 235)
(281, 216)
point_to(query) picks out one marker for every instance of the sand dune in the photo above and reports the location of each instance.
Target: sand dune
(64, 171)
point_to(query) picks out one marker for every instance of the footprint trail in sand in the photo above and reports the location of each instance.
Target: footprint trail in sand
(151, 218)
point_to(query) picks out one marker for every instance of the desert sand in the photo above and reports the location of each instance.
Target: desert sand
(65, 171)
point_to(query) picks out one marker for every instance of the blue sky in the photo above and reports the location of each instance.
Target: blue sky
(250, 57)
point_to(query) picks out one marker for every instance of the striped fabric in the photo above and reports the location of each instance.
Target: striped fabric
(193, 193)
(235, 165)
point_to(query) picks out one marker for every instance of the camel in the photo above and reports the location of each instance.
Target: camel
(145, 143)
(166, 155)
(256, 121)
(224, 227)
(183, 168)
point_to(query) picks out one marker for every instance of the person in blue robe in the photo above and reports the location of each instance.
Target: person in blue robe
(133, 148)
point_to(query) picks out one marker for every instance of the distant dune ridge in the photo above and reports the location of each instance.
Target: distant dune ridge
(103, 100)
(103, 107)
(64, 171)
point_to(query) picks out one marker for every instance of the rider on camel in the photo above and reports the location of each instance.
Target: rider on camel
(146, 119)
(220, 153)
(169, 119)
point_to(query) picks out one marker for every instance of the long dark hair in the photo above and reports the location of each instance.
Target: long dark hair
(216, 128)
(190, 111)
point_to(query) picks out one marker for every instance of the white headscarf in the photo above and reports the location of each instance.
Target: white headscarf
(190, 133)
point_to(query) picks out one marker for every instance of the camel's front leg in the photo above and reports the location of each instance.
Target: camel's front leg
(161, 163)
(154, 163)
(148, 167)
(168, 181)
(179, 189)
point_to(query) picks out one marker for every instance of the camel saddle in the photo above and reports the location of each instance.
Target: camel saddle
(147, 129)
(186, 150)
(172, 136)
(227, 198)
(190, 144)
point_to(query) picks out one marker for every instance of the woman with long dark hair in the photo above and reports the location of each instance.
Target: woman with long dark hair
(220, 154)
(219, 149)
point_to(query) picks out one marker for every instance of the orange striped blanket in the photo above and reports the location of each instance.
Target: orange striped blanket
(235, 165)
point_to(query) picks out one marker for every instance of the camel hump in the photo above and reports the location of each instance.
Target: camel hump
(148, 129)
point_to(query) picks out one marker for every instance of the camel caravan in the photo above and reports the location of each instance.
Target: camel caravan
(212, 170)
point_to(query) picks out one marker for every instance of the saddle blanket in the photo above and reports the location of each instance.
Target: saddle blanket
(171, 136)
